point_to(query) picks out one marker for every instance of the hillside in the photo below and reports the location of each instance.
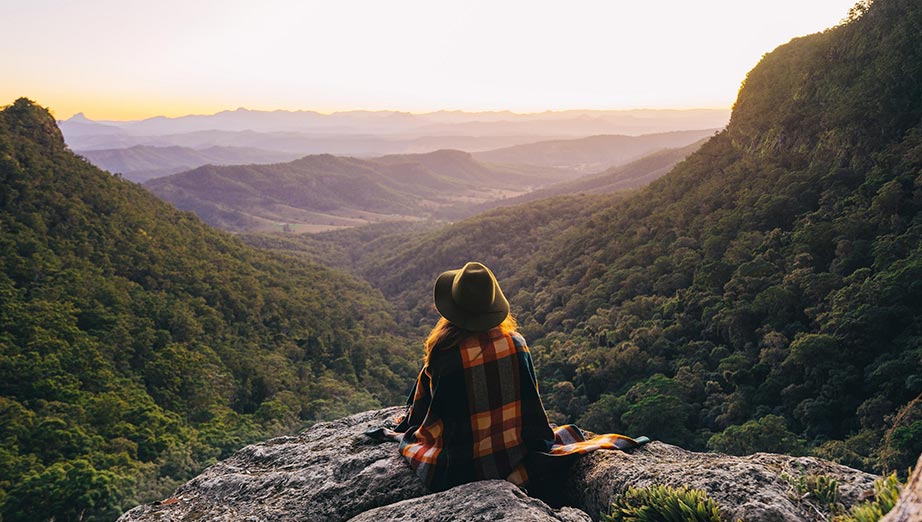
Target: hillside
(325, 191)
(345, 249)
(594, 153)
(764, 295)
(360, 250)
(625, 177)
(138, 345)
(632, 175)
(142, 163)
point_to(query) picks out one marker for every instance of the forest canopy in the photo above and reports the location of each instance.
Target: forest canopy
(138, 345)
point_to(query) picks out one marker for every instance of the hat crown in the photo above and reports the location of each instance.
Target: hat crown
(470, 298)
(474, 288)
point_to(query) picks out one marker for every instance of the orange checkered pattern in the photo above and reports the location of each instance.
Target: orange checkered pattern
(474, 351)
(499, 428)
(428, 444)
(475, 414)
(569, 440)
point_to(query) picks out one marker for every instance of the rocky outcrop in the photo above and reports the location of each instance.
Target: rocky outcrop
(909, 507)
(333, 472)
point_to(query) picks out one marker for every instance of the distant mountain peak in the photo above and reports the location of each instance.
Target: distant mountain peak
(79, 118)
(451, 153)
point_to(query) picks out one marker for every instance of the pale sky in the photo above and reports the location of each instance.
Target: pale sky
(127, 59)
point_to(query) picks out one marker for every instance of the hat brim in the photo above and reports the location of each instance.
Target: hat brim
(463, 318)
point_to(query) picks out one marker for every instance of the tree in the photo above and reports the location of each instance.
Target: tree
(769, 433)
(66, 490)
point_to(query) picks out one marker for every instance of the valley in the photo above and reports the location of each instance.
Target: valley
(326, 192)
(251, 189)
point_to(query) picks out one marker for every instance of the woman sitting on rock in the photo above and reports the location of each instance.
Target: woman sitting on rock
(475, 412)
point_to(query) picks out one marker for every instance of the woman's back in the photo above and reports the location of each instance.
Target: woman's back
(475, 412)
(482, 412)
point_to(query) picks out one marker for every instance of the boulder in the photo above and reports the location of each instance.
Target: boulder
(330, 472)
(477, 501)
(333, 472)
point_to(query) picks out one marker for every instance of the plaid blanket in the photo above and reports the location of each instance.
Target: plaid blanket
(475, 414)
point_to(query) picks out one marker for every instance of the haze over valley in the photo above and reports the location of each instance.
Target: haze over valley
(322, 192)
(234, 169)
(143, 150)
(378, 132)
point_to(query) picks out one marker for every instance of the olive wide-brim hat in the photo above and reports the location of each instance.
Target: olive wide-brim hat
(470, 298)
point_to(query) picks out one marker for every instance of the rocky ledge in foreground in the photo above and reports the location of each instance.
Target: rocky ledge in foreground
(332, 472)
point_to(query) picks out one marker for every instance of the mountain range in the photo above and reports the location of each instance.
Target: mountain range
(569, 122)
(591, 154)
(141, 163)
(323, 192)
(367, 133)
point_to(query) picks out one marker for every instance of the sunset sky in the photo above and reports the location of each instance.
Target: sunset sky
(126, 59)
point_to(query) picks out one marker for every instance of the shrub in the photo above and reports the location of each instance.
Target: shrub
(822, 490)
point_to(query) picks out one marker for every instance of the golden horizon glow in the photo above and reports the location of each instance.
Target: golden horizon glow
(115, 60)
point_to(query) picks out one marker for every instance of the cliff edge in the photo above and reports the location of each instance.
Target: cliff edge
(332, 472)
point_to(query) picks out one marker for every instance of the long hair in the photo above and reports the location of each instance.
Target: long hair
(445, 335)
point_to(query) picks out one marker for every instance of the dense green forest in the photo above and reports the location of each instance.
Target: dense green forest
(764, 295)
(138, 345)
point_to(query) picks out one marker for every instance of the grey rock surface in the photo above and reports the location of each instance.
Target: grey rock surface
(333, 472)
(477, 501)
(909, 507)
(754, 488)
(330, 472)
